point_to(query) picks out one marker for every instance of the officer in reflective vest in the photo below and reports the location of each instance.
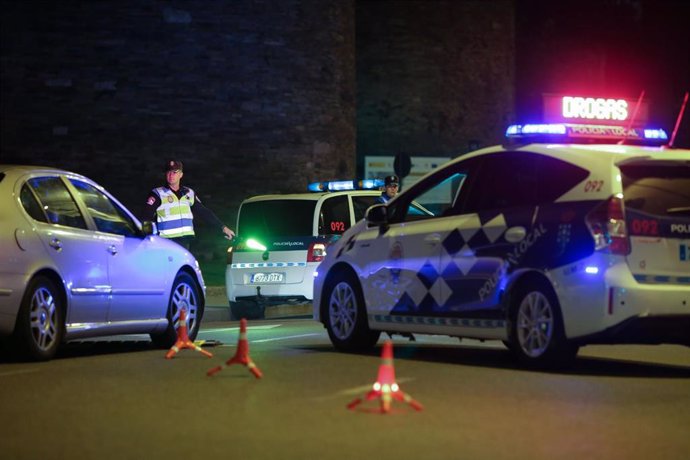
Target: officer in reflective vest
(173, 208)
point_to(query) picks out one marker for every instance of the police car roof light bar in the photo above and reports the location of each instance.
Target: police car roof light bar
(577, 133)
(341, 185)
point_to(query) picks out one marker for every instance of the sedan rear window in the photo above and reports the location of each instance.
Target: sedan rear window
(58, 204)
(276, 218)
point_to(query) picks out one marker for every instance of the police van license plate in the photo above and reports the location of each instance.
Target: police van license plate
(268, 278)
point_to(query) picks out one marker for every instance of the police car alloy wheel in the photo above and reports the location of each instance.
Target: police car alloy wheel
(345, 315)
(537, 328)
(40, 326)
(184, 294)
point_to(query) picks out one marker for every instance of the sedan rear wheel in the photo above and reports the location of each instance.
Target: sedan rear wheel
(345, 316)
(40, 324)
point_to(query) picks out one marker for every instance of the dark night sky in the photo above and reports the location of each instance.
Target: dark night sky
(615, 48)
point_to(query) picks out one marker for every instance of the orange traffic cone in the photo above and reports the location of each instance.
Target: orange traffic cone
(183, 339)
(385, 388)
(241, 355)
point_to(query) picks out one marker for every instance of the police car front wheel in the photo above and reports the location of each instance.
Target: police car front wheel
(345, 315)
(537, 333)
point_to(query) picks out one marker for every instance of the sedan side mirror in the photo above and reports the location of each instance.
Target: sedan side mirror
(376, 215)
(149, 228)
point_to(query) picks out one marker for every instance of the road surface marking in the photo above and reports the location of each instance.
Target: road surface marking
(287, 337)
(223, 329)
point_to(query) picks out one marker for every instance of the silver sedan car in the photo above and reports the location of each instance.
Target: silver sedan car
(75, 263)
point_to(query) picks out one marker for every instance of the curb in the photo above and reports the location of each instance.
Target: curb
(218, 310)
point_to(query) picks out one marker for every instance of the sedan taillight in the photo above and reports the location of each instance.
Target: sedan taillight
(606, 223)
(316, 252)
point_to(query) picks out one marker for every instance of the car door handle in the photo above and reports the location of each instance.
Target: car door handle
(56, 244)
(434, 238)
(515, 234)
(112, 249)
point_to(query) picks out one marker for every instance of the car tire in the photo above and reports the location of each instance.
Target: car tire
(247, 309)
(537, 335)
(185, 293)
(40, 323)
(346, 317)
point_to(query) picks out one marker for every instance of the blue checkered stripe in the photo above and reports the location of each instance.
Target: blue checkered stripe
(660, 279)
(269, 265)
(457, 260)
(440, 321)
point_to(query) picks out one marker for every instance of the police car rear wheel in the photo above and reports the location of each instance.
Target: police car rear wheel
(346, 320)
(184, 294)
(538, 336)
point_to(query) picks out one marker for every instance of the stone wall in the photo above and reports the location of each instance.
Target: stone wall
(254, 96)
(434, 78)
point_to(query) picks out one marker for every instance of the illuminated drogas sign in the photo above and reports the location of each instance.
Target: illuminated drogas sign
(602, 110)
(589, 108)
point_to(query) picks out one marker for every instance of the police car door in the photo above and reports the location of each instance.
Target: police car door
(404, 276)
(497, 222)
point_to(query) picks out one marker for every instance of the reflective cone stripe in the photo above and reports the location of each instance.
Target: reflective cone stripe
(386, 398)
(254, 370)
(408, 399)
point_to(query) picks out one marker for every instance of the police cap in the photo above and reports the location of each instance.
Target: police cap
(172, 165)
(391, 180)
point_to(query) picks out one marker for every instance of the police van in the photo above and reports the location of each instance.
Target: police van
(282, 238)
(565, 236)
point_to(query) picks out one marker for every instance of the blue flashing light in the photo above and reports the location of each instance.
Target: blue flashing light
(340, 185)
(316, 187)
(592, 270)
(655, 134)
(519, 130)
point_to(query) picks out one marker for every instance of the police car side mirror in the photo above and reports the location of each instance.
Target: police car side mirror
(149, 228)
(376, 215)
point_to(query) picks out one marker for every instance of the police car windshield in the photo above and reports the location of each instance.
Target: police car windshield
(261, 219)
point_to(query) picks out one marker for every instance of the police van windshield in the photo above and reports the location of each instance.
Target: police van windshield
(276, 218)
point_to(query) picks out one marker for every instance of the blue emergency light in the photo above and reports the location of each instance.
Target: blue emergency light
(340, 185)
(578, 133)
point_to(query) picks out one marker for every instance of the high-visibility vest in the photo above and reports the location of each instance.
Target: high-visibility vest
(175, 215)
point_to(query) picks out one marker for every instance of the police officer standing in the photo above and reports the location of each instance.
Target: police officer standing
(173, 207)
(390, 189)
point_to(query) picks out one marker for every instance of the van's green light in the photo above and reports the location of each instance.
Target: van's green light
(253, 244)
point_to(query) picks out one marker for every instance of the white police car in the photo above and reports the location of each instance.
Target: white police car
(282, 238)
(547, 243)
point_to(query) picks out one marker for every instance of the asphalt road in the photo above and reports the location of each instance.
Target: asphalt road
(122, 399)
